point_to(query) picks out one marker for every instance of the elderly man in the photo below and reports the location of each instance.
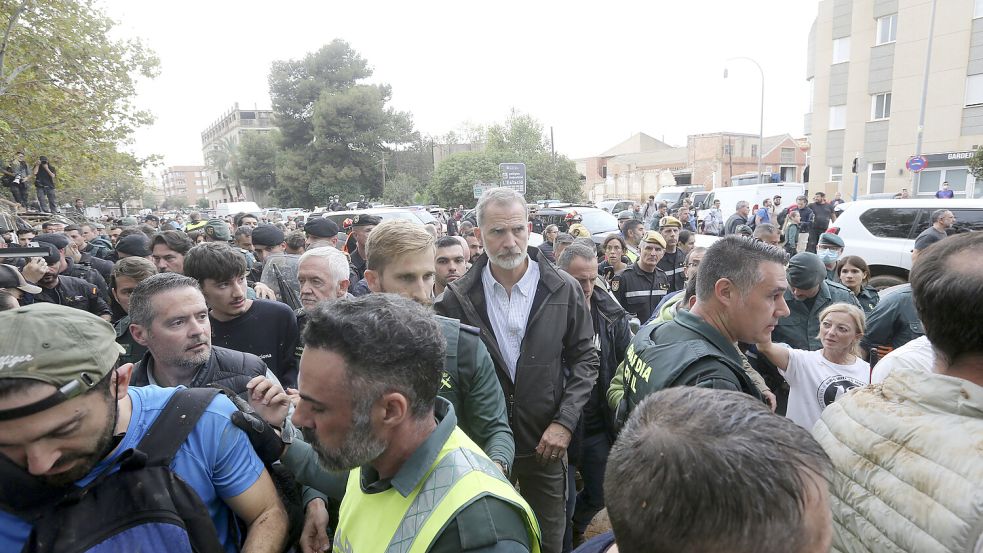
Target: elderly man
(767, 233)
(596, 431)
(738, 218)
(535, 323)
(942, 220)
(908, 472)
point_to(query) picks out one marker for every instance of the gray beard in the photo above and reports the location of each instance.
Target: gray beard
(360, 447)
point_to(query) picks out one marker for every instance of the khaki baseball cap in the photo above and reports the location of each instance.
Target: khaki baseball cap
(218, 230)
(10, 277)
(654, 237)
(66, 347)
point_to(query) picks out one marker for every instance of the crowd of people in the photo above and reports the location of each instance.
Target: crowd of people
(393, 386)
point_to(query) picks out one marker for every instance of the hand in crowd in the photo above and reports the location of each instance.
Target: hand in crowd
(269, 400)
(294, 395)
(73, 250)
(314, 536)
(553, 444)
(34, 269)
(771, 400)
(264, 292)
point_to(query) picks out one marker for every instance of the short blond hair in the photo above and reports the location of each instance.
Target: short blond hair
(855, 313)
(392, 239)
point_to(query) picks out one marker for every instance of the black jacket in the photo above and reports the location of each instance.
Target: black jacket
(613, 339)
(639, 292)
(734, 221)
(88, 274)
(558, 333)
(225, 368)
(77, 293)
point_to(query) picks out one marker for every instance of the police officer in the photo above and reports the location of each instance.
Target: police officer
(893, 322)
(641, 286)
(73, 269)
(362, 204)
(320, 232)
(68, 290)
(673, 262)
(696, 347)
(829, 249)
(362, 225)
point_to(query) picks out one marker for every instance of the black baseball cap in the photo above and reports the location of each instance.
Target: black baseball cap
(59, 241)
(362, 220)
(137, 245)
(320, 227)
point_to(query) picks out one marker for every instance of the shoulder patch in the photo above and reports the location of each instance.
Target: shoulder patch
(615, 284)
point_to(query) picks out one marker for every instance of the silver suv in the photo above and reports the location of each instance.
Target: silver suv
(883, 232)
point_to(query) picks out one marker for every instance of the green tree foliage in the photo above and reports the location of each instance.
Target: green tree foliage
(257, 160)
(976, 164)
(335, 129)
(119, 181)
(401, 189)
(202, 203)
(520, 139)
(67, 87)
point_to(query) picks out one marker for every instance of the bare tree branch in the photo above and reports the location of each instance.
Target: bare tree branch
(10, 29)
(9, 81)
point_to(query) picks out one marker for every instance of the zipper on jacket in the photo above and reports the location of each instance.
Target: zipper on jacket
(511, 406)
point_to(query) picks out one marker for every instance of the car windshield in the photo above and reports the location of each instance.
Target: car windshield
(599, 221)
(666, 196)
(424, 216)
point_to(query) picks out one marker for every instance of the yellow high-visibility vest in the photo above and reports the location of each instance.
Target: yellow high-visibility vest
(388, 522)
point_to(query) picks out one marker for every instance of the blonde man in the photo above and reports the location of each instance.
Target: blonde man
(400, 260)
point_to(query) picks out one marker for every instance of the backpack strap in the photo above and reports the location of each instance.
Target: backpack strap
(175, 423)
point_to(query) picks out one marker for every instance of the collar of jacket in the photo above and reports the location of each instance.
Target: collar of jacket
(605, 305)
(698, 325)
(940, 393)
(146, 366)
(549, 275)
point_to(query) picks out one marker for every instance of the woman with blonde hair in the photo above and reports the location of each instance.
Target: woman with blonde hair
(818, 378)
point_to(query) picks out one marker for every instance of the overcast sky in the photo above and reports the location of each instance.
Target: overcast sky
(596, 72)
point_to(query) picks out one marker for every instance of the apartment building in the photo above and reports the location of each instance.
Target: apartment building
(865, 70)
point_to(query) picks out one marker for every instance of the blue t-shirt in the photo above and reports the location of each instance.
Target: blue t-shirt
(764, 214)
(216, 460)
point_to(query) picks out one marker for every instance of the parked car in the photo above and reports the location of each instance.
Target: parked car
(600, 223)
(615, 206)
(883, 232)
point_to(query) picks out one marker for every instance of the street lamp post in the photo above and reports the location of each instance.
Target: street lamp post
(761, 126)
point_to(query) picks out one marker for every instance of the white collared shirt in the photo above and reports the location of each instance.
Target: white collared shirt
(509, 314)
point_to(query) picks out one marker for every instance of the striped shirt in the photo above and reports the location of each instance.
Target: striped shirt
(509, 313)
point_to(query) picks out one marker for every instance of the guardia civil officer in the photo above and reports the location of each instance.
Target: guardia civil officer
(641, 286)
(739, 287)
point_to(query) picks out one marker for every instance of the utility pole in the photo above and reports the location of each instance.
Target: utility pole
(921, 113)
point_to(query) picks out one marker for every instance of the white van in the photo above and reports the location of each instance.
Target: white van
(755, 194)
(231, 208)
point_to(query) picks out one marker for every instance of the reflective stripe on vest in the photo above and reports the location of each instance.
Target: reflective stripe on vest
(674, 271)
(645, 293)
(387, 521)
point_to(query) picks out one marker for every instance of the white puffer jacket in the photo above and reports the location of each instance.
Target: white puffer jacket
(908, 458)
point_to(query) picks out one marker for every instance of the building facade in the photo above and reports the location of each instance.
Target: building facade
(225, 133)
(641, 165)
(865, 71)
(186, 183)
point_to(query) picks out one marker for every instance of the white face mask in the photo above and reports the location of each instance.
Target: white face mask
(828, 256)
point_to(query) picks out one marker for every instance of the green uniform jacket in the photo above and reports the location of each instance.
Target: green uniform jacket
(868, 298)
(893, 321)
(470, 384)
(134, 351)
(685, 351)
(800, 329)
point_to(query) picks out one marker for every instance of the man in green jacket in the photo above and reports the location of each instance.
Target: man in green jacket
(739, 297)
(400, 259)
(807, 295)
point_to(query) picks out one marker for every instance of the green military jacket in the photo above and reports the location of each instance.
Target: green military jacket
(469, 382)
(685, 351)
(800, 329)
(893, 321)
(133, 351)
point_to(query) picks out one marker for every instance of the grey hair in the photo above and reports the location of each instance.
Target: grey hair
(938, 214)
(389, 344)
(563, 238)
(712, 470)
(742, 203)
(696, 250)
(576, 250)
(551, 228)
(141, 302)
(499, 196)
(337, 264)
(737, 259)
